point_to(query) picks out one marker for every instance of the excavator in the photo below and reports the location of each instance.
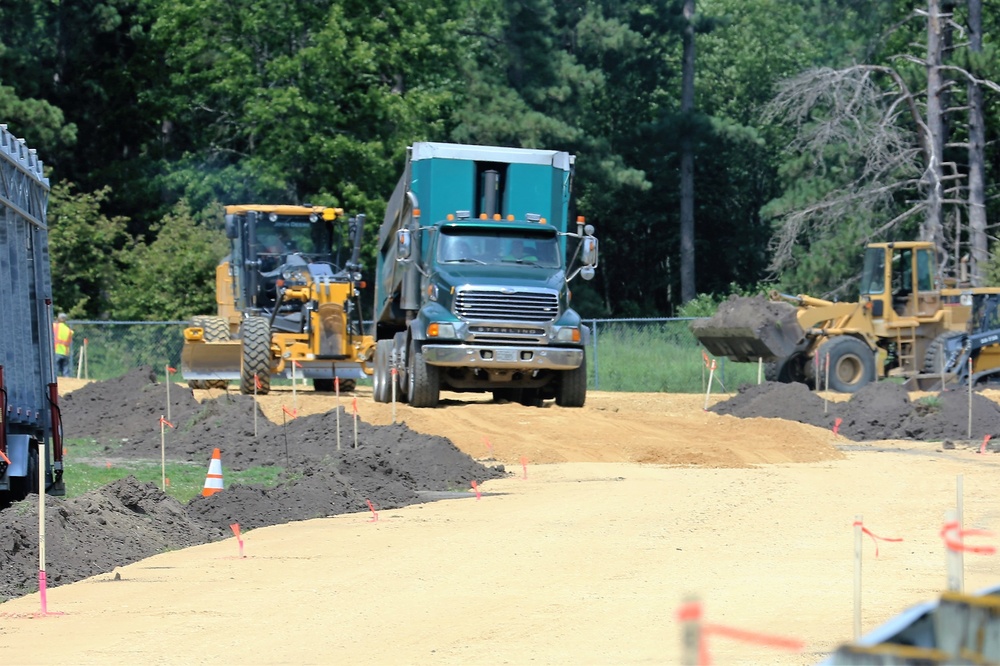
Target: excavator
(288, 303)
(907, 322)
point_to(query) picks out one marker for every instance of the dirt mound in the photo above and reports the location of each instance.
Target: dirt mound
(792, 402)
(876, 411)
(881, 410)
(119, 523)
(125, 409)
(947, 416)
(391, 466)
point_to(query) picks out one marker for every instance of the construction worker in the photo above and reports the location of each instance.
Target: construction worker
(62, 334)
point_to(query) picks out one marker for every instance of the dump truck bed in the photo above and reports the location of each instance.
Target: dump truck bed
(746, 329)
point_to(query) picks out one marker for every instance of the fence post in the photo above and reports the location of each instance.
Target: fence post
(597, 376)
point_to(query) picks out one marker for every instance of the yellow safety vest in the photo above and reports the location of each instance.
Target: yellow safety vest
(64, 338)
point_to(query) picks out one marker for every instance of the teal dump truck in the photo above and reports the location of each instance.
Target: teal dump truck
(475, 256)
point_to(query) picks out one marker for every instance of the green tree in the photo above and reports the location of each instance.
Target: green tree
(173, 276)
(87, 250)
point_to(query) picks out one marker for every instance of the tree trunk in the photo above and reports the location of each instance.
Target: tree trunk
(977, 141)
(688, 289)
(932, 227)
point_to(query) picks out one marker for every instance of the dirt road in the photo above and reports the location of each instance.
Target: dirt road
(629, 504)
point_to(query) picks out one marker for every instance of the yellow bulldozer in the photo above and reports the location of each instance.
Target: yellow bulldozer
(908, 322)
(288, 303)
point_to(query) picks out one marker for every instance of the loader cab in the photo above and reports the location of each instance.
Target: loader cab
(263, 238)
(900, 278)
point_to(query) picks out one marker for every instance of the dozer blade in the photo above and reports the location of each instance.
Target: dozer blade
(746, 329)
(212, 360)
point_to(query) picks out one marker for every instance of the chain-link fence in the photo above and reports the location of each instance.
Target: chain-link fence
(652, 355)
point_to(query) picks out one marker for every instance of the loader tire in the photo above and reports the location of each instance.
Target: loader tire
(256, 335)
(934, 357)
(572, 388)
(424, 380)
(852, 364)
(786, 370)
(381, 388)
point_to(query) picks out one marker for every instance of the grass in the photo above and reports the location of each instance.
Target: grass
(659, 357)
(84, 472)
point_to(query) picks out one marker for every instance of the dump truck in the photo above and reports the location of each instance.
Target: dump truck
(908, 322)
(473, 266)
(31, 450)
(288, 303)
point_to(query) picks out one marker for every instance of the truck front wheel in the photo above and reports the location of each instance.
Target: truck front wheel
(424, 388)
(572, 388)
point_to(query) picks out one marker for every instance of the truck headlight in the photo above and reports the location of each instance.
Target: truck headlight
(568, 334)
(437, 330)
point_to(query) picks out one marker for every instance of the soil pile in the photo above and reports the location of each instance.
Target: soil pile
(125, 409)
(881, 410)
(126, 521)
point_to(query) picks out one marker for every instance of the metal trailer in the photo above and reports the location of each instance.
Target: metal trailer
(31, 426)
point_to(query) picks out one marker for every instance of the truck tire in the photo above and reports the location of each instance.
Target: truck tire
(424, 380)
(852, 364)
(22, 486)
(256, 335)
(216, 330)
(531, 397)
(381, 388)
(401, 363)
(572, 388)
(330, 386)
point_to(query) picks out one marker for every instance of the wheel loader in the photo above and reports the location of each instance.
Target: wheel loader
(287, 303)
(907, 322)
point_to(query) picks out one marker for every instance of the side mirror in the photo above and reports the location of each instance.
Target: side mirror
(232, 227)
(589, 254)
(404, 245)
(587, 272)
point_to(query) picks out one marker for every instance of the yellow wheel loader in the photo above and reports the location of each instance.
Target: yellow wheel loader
(907, 322)
(288, 303)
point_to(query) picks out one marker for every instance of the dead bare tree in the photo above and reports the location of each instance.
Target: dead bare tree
(978, 243)
(895, 142)
(848, 109)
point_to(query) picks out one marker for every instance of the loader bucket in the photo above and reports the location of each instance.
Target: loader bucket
(746, 329)
(211, 360)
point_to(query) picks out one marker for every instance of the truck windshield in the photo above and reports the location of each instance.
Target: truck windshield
(492, 246)
(873, 277)
(281, 235)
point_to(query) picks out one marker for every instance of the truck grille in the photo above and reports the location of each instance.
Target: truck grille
(521, 306)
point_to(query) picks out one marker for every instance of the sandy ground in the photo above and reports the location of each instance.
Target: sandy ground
(628, 505)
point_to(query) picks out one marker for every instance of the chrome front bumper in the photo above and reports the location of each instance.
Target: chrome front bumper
(502, 357)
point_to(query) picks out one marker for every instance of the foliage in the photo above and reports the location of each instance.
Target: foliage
(86, 249)
(151, 113)
(173, 277)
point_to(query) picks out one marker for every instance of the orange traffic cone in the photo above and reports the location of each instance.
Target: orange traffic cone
(213, 481)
